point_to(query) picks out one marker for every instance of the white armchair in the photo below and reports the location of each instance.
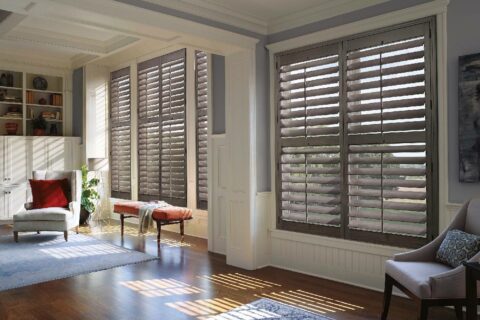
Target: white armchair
(52, 219)
(427, 281)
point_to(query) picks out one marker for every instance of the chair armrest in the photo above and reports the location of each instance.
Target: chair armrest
(425, 253)
(451, 283)
(28, 205)
(74, 207)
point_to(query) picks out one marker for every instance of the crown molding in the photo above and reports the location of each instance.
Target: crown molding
(212, 11)
(319, 13)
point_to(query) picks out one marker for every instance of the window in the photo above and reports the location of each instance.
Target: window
(120, 166)
(161, 129)
(149, 130)
(356, 144)
(201, 97)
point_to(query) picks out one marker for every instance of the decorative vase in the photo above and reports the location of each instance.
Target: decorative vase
(11, 128)
(85, 216)
(38, 132)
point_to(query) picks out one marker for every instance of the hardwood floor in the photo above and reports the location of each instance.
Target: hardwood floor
(187, 282)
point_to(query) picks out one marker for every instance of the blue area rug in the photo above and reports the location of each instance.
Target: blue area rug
(45, 257)
(268, 309)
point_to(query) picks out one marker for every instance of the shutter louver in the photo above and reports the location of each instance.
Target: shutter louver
(201, 94)
(387, 134)
(149, 130)
(120, 146)
(309, 136)
(173, 145)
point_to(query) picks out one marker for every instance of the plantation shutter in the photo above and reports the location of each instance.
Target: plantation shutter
(389, 121)
(149, 130)
(201, 94)
(173, 144)
(356, 146)
(309, 137)
(120, 166)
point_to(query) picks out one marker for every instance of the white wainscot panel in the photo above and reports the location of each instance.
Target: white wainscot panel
(350, 262)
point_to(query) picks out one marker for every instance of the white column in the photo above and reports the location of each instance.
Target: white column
(240, 127)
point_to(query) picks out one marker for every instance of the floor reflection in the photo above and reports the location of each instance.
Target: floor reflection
(160, 287)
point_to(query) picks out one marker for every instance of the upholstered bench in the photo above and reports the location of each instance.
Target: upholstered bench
(162, 216)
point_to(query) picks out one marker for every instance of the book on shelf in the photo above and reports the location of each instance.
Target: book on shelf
(56, 99)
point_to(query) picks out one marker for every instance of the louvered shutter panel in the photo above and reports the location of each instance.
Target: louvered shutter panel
(308, 132)
(201, 94)
(173, 147)
(388, 130)
(120, 148)
(149, 130)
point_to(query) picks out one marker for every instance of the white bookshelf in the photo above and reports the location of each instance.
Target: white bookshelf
(22, 97)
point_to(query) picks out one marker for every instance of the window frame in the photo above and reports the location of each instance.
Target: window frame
(113, 75)
(431, 140)
(158, 62)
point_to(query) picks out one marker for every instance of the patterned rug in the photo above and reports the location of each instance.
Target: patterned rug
(45, 257)
(268, 309)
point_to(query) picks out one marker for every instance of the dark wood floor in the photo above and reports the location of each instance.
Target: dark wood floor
(187, 282)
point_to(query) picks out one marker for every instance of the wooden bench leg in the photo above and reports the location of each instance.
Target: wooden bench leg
(182, 230)
(122, 223)
(65, 235)
(159, 230)
(15, 236)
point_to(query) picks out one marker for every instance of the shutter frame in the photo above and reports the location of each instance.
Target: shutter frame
(120, 172)
(201, 121)
(428, 136)
(166, 115)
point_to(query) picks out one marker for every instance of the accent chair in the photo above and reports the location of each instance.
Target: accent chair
(52, 219)
(426, 281)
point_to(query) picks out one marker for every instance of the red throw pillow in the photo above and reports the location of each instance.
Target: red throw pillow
(49, 193)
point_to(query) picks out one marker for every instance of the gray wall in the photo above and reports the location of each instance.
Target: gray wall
(463, 25)
(77, 103)
(218, 94)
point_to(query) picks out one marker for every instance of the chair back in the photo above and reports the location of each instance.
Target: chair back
(74, 178)
(472, 220)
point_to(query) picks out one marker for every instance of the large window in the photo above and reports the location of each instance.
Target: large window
(161, 129)
(120, 166)
(356, 137)
(201, 95)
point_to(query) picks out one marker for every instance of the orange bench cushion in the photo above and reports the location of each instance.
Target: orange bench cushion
(170, 213)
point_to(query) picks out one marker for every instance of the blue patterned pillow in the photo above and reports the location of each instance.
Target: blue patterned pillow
(457, 247)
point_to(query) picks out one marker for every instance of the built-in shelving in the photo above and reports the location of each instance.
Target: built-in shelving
(21, 96)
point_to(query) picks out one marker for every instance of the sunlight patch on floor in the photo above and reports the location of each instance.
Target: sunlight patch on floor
(310, 301)
(109, 229)
(173, 243)
(83, 251)
(161, 287)
(238, 281)
(206, 308)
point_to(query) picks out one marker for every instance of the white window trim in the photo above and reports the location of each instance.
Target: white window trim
(436, 8)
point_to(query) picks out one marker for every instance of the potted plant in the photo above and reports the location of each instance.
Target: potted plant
(89, 196)
(39, 126)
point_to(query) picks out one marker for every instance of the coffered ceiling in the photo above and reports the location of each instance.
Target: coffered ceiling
(69, 33)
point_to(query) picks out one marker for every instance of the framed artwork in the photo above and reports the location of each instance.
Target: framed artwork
(469, 117)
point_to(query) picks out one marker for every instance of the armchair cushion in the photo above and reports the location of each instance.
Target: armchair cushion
(46, 214)
(458, 247)
(415, 276)
(49, 193)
